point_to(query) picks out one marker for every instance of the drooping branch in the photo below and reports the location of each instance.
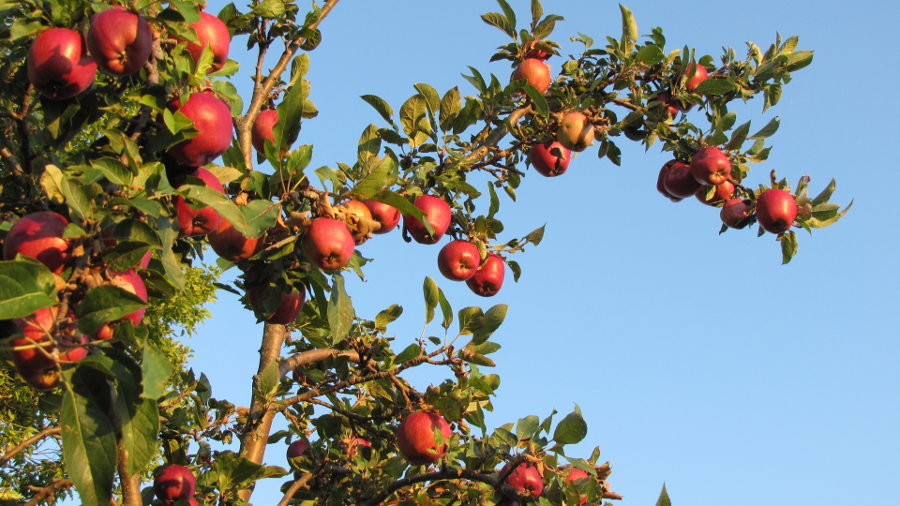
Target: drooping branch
(12, 452)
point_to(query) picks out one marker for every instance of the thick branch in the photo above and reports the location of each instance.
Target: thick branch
(131, 483)
(12, 452)
(49, 492)
(497, 134)
(313, 356)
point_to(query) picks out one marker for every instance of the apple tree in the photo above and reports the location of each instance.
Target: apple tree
(128, 158)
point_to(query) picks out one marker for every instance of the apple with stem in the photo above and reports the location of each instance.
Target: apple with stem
(525, 478)
(488, 279)
(459, 260)
(232, 245)
(575, 131)
(198, 222)
(550, 159)
(213, 33)
(174, 482)
(437, 214)
(385, 214)
(711, 166)
(212, 119)
(776, 210)
(417, 435)
(535, 72)
(327, 243)
(40, 236)
(58, 66)
(119, 40)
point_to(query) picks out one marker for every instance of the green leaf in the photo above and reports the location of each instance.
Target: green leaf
(410, 352)
(26, 285)
(545, 27)
(431, 298)
(527, 427)
(382, 107)
(650, 54)
(716, 87)
(451, 104)
(140, 432)
(414, 120)
(826, 193)
(290, 110)
(77, 198)
(629, 29)
(155, 373)
(498, 20)
(799, 59)
(432, 100)
(113, 170)
(663, 497)
(471, 319)
(789, 246)
(380, 178)
(88, 437)
(267, 381)
(536, 235)
(51, 182)
(387, 316)
(492, 320)
(104, 304)
(738, 136)
(340, 311)
(220, 203)
(270, 8)
(537, 98)
(570, 429)
(766, 131)
(476, 358)
(446, 310)
(369, 146)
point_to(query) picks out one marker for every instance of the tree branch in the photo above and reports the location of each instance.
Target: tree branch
(313, 356)
(49, 491)
(12, 452)
(491, 479)
(294, 488)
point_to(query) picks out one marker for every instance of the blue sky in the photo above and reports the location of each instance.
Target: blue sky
(697, 359)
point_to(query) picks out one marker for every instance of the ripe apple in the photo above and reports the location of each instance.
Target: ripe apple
(385, 214)
(198, 222)
(416, 437)
(130, 281)
(35, 366)
(38, 366)
(297, 448)
(525, 478)
(119, 40)
(289, 304)
(550, 159)
(575, 131)
(711, 166)
(488, 279)
(776, 210)
(58, 65)
(212, 119)
(693, 80)
(357, 212)
(735, 213)
(262, 129)
(459, 260)
(212, 32)
(327, 243)
(437, 213)
(673, 105)
(232, 245)
(350, 446)
(40, 236)
(660, 187)
(574, 476)
(679, 181)
(721, 193)
(174, 482)
(538, 52)
(535, 72)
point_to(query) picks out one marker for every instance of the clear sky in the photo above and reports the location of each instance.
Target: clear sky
(698, 360)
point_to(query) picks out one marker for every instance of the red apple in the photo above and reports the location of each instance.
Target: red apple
(385, 214)
(130, 281)
(58, 65)
(735, 213)
(297, 448)
(437, 213)
(174, 482)
(198, 222)
(40, 236)
(212, 119)
(289, 304)
(416, 437)
(693, 80)
(550, 159)
(327, 243)
(488, 279)
(232, 245)
(575, 131)
(350, 446)
(36, 367)
(459, 260)
(525, 478)
(776, 210)
(673, 105)
(262, 129)
(541, 53)
(211, 32)
(119, 40)
(574, 476)
(357, 212)
(711, 166)
(679, 181)
(721, 193)
(535, 72)
(660, 187)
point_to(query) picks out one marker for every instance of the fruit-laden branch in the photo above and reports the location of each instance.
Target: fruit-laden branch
(244, 123)
(12, 452)
(447, 474)
(43, 494)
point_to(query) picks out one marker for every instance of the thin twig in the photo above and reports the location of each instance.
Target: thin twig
(12, 452)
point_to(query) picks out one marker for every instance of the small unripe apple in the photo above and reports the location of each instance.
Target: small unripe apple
(173, 483)
(459, 260)
(119, 40)
(386, 214)
(416, 437)
(40, 236)
(679, 181)
(660, 187)
(212, 119)
(721, 193)
(199, 222)
(328, 243)
(211, 31)
(232, 245)
(297, 448)
(437, 213)
(535, 72)
(488, 279)
(358, 212)
(776, 210)
(525, 478)
(711, 166)
(693, 80)
(735, 213)
(575, 131)
(550, 159)
(262, 130)
(58, 65)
